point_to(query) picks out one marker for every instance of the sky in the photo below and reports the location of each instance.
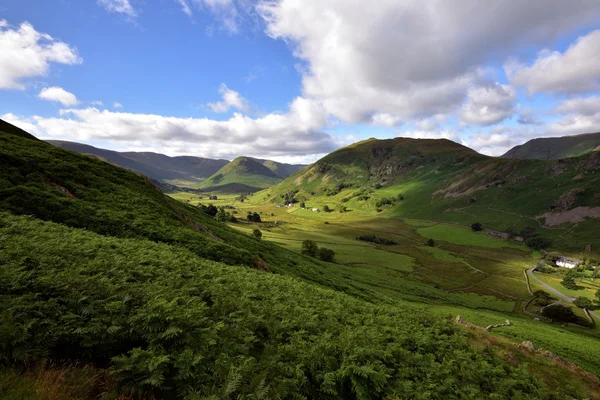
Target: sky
(292, 80)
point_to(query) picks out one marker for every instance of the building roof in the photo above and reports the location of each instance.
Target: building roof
(570, 260)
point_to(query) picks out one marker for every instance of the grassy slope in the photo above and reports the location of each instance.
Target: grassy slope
(441, 180)
(243, 174)
(556, 148)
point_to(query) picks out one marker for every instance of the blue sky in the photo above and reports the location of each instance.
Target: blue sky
(295, 79)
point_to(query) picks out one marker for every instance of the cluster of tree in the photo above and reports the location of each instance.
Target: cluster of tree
(310, 248)
(253, 217)
(257, 233)
(225, 216)
(559, 313)
(476, 227)
(542, 298)
(376, 239)
(569, 280)
(290, 197)
(213, 197)
(337, 189)
(387, 201)
(242, 197)
(533, 240)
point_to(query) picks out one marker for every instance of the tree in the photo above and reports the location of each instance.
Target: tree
(326, 254)
(302, 205)
(222, 215)
(400, 197)
(569, 281)
(476, 227)
(537, 243)
(343, 209)
(310, 248)
(542, 298)
(257, 233)
(430, 242)
(558, 312)
(211, 210)
(598, 296)
(583, 302)
(326, 208)
(253, 217)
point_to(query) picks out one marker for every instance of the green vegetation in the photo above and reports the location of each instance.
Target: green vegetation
(104, 278)
(464, 236)
(376, 239)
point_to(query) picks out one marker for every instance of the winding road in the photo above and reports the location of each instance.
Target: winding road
(557, 293)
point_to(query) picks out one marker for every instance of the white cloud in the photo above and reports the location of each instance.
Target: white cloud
(406, 60)
(527, 117)
(581, 115)
(117, 105)
(577, 70)
(297, 133)
(185, 7)
(119, 6)
(489, 104)
(226, 11)
(27, 53)
(230, 99)
(59, 95)
(585, 106)
(96, 103)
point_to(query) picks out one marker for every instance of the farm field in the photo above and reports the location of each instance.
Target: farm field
(588, 287)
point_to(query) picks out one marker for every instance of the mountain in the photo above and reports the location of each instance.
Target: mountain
(281, 169)
(556, 148)
(245, 174)
(184, 170)
(442, 180)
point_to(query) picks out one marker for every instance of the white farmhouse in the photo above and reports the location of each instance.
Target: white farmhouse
(568, 262)
(316, 210)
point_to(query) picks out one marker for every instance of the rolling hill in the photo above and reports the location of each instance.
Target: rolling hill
(111, 289)
(556, 148)
(246, 174)
(184, 171)
(442, 180)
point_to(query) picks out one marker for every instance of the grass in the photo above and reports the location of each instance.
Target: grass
(465, 236)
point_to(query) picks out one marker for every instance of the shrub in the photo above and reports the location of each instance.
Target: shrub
(326, 208)
(257, 233)
(430, 242)
(569, 281)
(253, 217)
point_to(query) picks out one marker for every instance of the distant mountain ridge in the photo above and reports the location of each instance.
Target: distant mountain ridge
(190, 171)
(556, 148)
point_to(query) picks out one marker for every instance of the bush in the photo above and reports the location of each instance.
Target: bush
(326, 208)
(430, 242)
(476, 227)
(257, 233)
(569, 281)
(326, 254)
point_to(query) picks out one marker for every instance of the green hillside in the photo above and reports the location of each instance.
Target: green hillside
(556, 148)
(109, 289)
(183, 171)
(242, 175)
(281, 169)
(442, 180)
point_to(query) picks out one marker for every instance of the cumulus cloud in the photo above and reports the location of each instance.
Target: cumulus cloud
(227, 12)
(96, 103)
(27, 53)
(117, 106)
(297, 133)
(230, 99)
(411, 59)
(583, 105)
(580, 115)
(119, 6)
(577, 70)
(489, 104)
(527, 117)
(58, 95)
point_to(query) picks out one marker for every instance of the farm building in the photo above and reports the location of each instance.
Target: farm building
(316, 210)
(568, 262)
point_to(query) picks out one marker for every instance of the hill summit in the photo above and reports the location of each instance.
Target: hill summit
(556, 148)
